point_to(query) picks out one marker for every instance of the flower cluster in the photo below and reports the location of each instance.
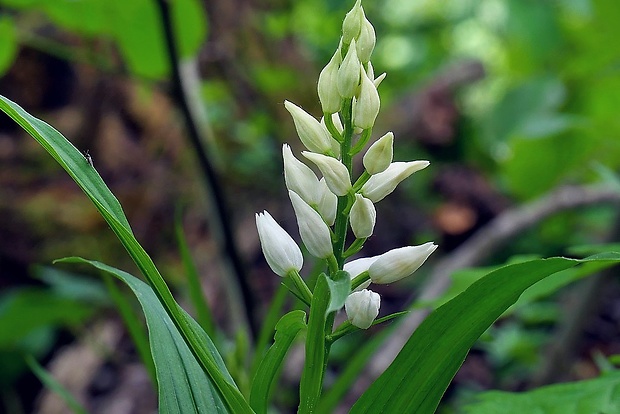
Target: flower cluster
(326, 207)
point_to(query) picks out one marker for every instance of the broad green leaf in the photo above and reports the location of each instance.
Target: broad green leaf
(312, 375)
(180, 379)
(93, 186)
(339, 289)
(600, 395)
(421, 372)
(51, 383)
(286, 330)
(8, 43)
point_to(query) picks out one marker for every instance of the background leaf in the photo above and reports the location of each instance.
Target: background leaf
(598, 395)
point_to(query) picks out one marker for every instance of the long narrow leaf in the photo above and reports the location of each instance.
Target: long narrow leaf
(312, 374)
(421, 372)
(286, 330)
(93, 186)
(50, 382)
(180, 378)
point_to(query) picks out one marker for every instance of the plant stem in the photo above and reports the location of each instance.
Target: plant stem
(221, 219)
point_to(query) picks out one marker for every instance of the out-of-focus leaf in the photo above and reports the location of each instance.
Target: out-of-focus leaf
(8, 43)
(600, 395)
(73, 286)
(24, 310)
(50, 382)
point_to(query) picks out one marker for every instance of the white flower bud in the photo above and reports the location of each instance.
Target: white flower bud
(328, 203)
(357, 266)
(352, 23)
(379, 156)
(362, 308)
(366, 41)
(335, 173)
(299, 177)
(312, 134)
(382, 184)
(368, 103)
(399, 263)
(328, 85)
(312, 229)
(362, 217)
(349, 73)
(280, 250)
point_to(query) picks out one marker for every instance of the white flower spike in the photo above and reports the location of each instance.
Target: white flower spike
(328, 85)
(362, 308)
(368, 104)
(382, 184)
(379, 156)
(399, 263)
(311, 133)
(328, 203)
(362, 217)
(280, 250)
(335, 173)
(299, 177)
(349, 73)
(312, 229)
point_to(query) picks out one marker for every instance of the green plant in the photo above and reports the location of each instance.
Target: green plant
(190, 372)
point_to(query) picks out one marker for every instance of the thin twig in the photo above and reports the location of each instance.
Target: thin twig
(479, 247)
(220, 216)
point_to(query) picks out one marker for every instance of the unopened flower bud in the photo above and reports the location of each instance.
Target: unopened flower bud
(349, 73)
(362, 308)
(312, 134)
(379, 156)
(367, 106)
(352, 23)
(399, 263)
(335, 173)
(328, 203)
(280, 250)
(366, 41)
(357, 267)
(299, 177)
(328, 85)
(382, 184)
(362, 217)
(312, 229)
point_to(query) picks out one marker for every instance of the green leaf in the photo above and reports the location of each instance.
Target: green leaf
(180, 379)
(50, 382)
(421, 372)
(312, 374)
(8, 43)
(598, 395)
(286, 330)
(93, 186)
(339, 290)
(25, 310)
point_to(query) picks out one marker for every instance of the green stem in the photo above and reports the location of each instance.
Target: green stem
(329, 123)
(359, 279)
(361, 181)
(355, 247)
(361, 143)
